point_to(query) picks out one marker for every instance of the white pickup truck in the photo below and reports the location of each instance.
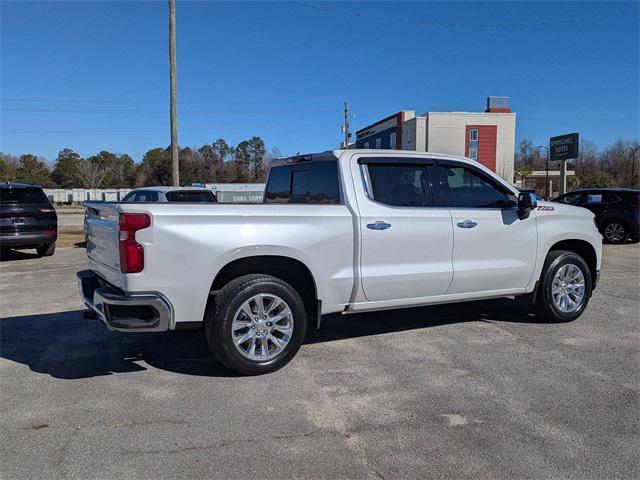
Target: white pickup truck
(341, 231)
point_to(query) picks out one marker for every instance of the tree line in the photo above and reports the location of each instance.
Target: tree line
(217, 162)
(247, 162)
(611, 167)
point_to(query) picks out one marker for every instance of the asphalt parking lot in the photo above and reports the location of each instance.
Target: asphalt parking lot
(471, 390)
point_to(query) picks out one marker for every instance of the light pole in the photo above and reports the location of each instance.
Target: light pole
(546, 177)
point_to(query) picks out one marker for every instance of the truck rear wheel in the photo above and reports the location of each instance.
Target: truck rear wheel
(256, 324)
(565, 287)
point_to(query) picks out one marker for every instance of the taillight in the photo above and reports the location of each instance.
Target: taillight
(131, 252)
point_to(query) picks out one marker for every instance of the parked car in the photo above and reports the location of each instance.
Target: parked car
(27, 218)
(341, 231)
(617, 210)
(170, 194)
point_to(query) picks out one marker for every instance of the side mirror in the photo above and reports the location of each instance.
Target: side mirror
(526, 202)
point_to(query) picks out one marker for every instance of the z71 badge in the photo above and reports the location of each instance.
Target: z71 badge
(545, 208)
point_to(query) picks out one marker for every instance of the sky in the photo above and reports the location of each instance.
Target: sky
(94, 76)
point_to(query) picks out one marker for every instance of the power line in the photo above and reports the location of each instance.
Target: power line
(137, 111)
(112, 101)
(419, 23)
(154, 130)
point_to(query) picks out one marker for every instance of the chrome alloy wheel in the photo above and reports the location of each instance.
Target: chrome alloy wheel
(567, 288)
(614, 232)
(262, 327)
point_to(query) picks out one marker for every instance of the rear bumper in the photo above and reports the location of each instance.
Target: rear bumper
(27, 239)
(122, 312)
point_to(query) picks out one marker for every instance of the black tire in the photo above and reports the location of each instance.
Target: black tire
(220, 315)
(545, 307)
(615, 231)
(46, 250)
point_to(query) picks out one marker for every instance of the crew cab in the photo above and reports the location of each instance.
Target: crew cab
(340, 231)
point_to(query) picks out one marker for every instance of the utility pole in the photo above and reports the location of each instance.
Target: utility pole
(175, 172)
(345, 126)
(633, 164)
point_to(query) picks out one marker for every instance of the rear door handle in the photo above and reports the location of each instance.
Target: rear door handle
(467, 224)
(379, 225)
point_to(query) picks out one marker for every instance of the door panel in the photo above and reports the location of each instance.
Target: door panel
(409, 259)
(406, 245)
(498, 253)
(493, 248)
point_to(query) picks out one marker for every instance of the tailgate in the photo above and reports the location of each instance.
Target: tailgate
(26, 217)
(101, 227)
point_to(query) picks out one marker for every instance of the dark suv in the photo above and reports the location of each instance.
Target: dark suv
(617, 210)
(27, 219)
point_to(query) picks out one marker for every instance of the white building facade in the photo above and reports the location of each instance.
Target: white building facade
(487, 137)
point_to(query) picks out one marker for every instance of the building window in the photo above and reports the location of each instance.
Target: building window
(473, 144)
(378, 142)
(366, 144)
(408, 132)
(392, 140)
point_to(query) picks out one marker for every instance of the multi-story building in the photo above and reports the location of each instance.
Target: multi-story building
(487, 137)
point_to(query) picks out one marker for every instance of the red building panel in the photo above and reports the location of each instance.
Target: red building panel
(487, 144)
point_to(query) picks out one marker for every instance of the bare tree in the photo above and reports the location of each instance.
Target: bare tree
(92, 174)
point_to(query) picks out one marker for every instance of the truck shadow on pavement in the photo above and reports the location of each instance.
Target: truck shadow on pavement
(65, 345)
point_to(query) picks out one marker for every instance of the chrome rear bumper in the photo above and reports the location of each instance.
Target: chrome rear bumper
(121, 312)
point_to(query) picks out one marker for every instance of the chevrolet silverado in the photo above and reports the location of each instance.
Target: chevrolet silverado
(340, 231)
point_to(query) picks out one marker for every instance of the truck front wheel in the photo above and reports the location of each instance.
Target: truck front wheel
(256, 324)
(565, 287)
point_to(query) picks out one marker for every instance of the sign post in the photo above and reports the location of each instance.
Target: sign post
(563, 148)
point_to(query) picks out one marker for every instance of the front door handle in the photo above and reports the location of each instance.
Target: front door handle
(379, 225)
(467, 224)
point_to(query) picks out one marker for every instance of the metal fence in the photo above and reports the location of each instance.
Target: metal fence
(79, 195)
(225, 192)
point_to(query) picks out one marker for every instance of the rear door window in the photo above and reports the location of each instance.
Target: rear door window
(572, 198)
(400, 185)
(594, 198)
(22, 195)
(610, 197)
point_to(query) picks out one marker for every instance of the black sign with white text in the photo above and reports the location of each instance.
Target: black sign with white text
(563, 147)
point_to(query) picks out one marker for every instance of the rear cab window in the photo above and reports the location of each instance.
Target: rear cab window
(314, 183)
(23, 195)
